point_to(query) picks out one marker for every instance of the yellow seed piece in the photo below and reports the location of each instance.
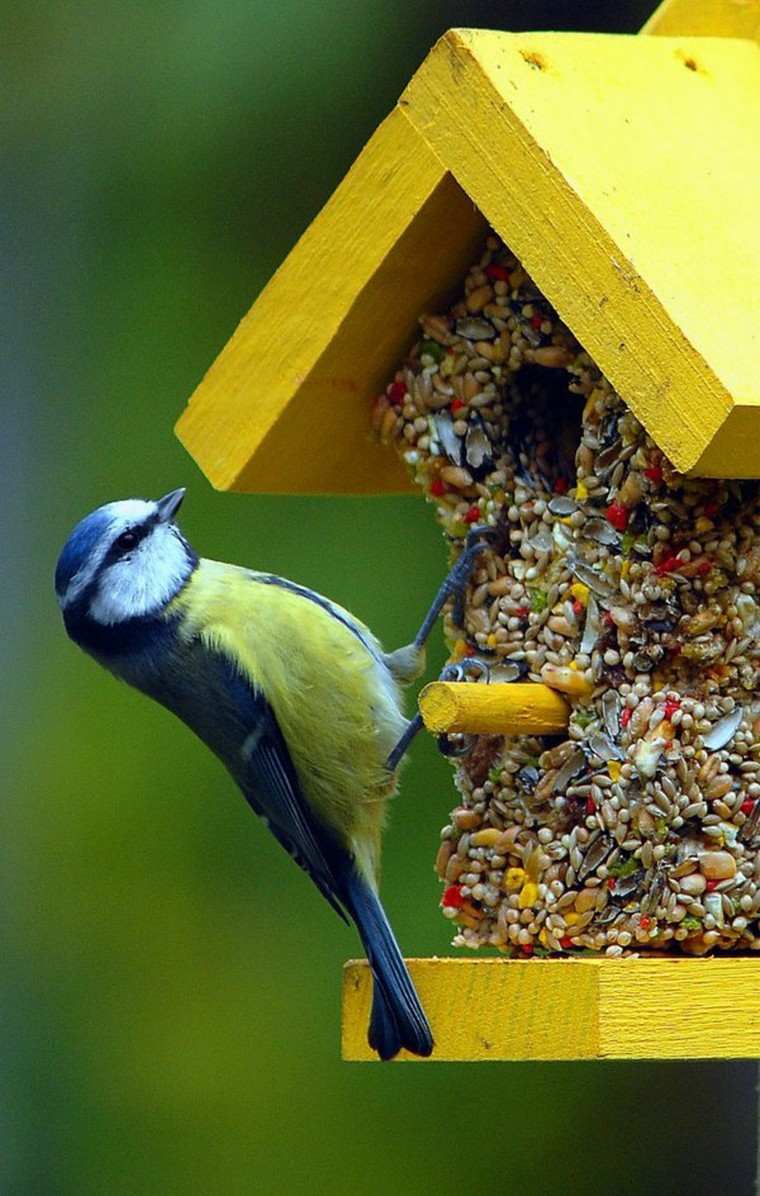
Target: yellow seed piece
(704, 524)
(460, 650)
(534, 863)
(567, 519)
(528, 895)
(626, 568)
(613, 768)
(477, 299)
(571, 918)
(581, 490)
(488, 837)
(567, 679)
(663, 731)
(513, 879)
(491, 640)
(543, 936)
(573, 664)
(580, 592)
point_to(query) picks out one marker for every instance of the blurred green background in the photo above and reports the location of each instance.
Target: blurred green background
(171, 981)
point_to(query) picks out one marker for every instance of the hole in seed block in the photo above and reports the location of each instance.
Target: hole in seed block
(628, 588)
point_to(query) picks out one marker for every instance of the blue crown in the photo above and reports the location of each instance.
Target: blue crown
(78, 547)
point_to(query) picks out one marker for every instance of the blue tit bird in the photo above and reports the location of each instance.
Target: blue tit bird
(293, 694)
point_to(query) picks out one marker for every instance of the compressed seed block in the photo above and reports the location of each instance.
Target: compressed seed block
(622, 584)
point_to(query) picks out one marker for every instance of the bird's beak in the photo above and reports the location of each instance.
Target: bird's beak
(170, 504)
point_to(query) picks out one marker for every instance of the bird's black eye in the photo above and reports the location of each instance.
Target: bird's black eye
(127, 540)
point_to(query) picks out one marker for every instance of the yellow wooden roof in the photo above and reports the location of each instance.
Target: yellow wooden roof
(621, 170)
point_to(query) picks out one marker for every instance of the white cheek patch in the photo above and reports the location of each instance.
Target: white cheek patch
(144, 581)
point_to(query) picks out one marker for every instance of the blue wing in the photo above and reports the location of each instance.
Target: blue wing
(273, 791)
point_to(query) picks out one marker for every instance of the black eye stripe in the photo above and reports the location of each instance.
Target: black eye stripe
(124, 542)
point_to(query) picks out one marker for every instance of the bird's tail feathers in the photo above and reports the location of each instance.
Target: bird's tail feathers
(397, 1017)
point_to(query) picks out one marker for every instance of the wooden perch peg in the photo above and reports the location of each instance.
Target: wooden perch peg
(499, 708)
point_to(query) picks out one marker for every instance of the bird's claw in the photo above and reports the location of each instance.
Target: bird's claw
(478, 538)
(458, 671)
(456, 745)
(482, 535)
(460, 744)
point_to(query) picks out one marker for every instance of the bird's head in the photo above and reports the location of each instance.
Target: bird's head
(124, 561)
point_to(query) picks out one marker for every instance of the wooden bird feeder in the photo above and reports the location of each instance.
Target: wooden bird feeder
(622, 172)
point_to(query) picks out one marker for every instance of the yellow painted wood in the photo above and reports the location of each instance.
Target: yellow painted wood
(497, 1009)
(706, 18)
(494, 709)
(329, 328)
(623, 172)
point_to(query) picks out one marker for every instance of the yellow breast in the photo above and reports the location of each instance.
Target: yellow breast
(323, 675)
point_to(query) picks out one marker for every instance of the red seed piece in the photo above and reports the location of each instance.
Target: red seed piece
(473, 515)
(526, 948)
(669, 564)
(577, 606)
(704, 568)
(456, 405)
(452, 897)
(437, 488)
(645, 922)
(396, 392)
(611, 882)
(590, 805)
(711, 884)
(561, 486)
(566, 943)
(522, 612)
(500, 273)
(626, 716)
(654, 473)
(670, 706)
(747, 806)
(536, 321)
(618, 515)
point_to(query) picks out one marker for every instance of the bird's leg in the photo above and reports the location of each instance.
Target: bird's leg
(448, 746)
(407, 663)
(412, 727)
(455, 583)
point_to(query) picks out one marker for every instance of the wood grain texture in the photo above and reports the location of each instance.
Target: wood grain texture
(706, 18)
(494, 709)
(496, 1009)
(285, 406)
(617, 211)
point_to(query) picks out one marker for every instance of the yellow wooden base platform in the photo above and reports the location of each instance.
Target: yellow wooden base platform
(543, 1009)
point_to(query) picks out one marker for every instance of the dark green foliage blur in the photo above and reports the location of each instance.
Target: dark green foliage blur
(170, 980)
